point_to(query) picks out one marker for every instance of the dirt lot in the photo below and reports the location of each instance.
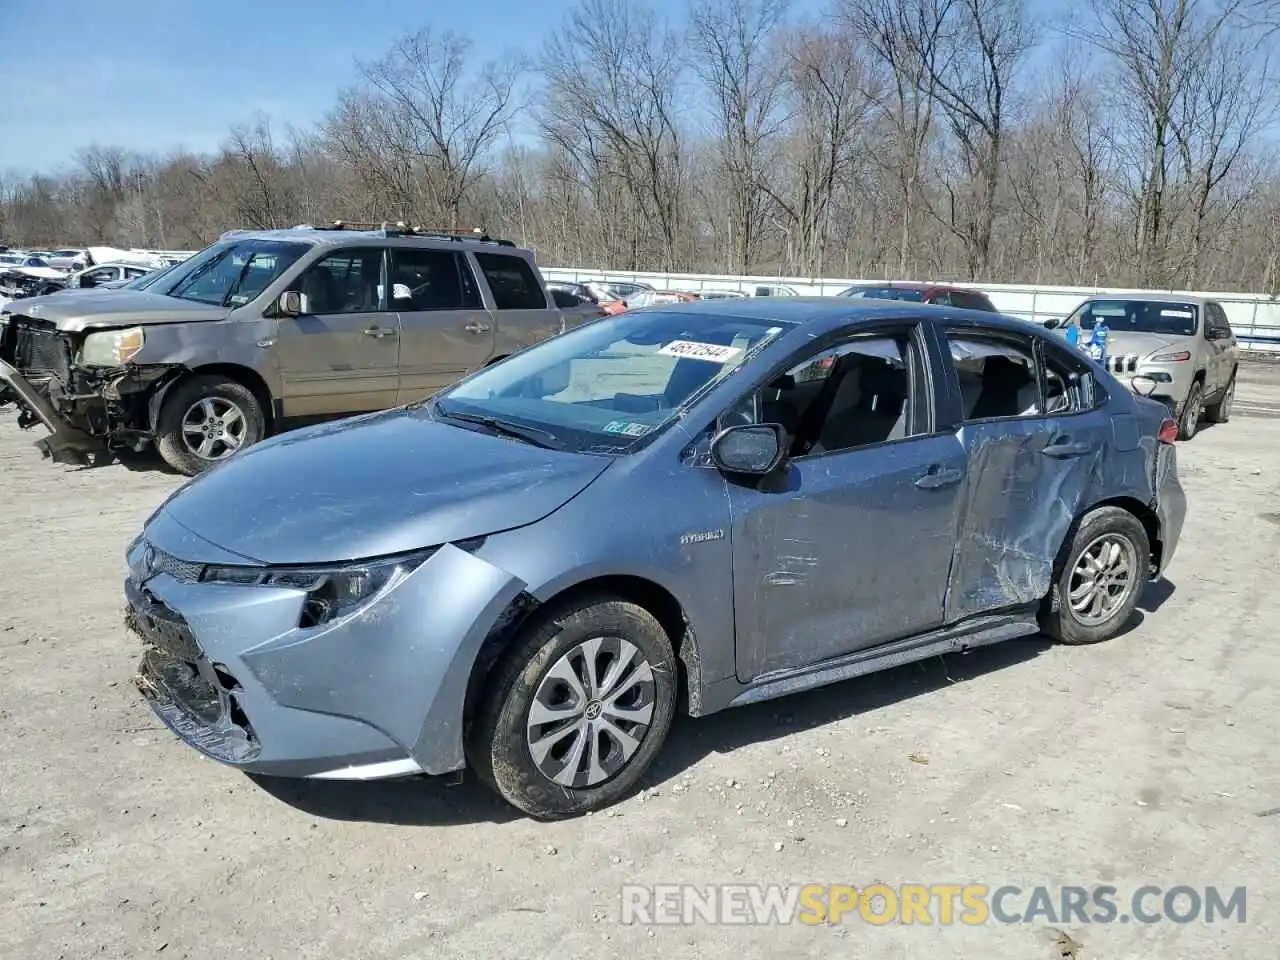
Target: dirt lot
(1148, 760)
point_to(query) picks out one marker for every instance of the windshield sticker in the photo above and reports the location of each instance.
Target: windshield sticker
(694, 350)
(1185, 314)
(627, 428)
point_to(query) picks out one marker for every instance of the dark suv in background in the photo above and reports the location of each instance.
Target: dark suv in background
(923, 293)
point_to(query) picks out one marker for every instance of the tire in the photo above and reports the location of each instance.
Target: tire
(217, 397)
(522, 761)
(1093, 537)
(1220, 410)
(1192, 410)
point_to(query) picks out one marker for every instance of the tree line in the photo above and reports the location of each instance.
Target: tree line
(1118, 142)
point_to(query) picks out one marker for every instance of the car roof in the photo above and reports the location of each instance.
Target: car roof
(914, 285)
(821, 315)
(1149, 298)
(345, 237)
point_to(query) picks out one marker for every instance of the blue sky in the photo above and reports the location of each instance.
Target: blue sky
(152, 75)
(157, 75)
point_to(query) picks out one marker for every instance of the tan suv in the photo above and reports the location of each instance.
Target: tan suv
(264, 329)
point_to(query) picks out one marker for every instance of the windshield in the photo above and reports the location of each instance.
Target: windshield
(884, 293)
(231, 274)
(1139, 316)
(603, 387)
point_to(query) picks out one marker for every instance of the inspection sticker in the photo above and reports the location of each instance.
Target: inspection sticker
(627, 428)
(694, 350)
(1186, 314)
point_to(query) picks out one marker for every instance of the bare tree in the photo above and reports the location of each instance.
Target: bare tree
(613, 76)
(832, 101)
(736, 57)
(432, 118)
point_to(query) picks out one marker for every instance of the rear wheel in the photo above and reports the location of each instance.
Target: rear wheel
(576, 710)
(1220, 410)
(1106, 568)
(1192, 410)
(206, 420)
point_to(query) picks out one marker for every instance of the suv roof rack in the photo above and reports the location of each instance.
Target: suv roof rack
(402, 229)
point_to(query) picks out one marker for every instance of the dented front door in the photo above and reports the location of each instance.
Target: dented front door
(847, 551)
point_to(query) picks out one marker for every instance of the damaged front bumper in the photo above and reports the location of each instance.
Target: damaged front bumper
(379, 693)
(84, 408)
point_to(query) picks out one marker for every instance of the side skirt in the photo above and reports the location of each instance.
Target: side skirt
(968, 635)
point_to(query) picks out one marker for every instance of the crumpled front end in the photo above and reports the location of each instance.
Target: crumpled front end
(236, 673)
(85, 408)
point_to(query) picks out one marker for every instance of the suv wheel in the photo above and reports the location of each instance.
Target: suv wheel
(1192, 410)
(576, 710)
(1107, 567)
(1220, 410)
(206, 420)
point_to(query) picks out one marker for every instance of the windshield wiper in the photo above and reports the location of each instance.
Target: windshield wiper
(539, 438)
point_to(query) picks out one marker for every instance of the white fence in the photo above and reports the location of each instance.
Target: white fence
(1254, 317)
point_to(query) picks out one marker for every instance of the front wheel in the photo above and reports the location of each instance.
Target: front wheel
(576, 710)
(206, 420)
(1107, 567)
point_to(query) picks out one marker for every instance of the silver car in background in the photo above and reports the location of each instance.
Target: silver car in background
(1184, 344)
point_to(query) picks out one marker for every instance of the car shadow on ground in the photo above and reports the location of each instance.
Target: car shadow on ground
(421, 801)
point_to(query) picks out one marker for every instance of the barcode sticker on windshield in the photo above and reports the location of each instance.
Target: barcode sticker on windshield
(694, 350)
(1185, 314)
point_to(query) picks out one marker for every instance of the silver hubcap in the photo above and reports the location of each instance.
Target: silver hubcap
(213, 428)
(591, 712)
(1102, 579)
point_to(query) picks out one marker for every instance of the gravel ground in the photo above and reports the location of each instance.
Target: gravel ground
(1147, 760)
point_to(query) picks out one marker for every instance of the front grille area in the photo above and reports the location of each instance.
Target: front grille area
(1123, 363)
(184, 571)
(36, 348)
(198, 700)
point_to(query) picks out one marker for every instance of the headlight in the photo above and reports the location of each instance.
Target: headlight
(111, 348)
(332, 592)
(1174, 357)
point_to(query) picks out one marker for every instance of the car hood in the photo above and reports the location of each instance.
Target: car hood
(380, 484)
(115, 308)
(1141, 344)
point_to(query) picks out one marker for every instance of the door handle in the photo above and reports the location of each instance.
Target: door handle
(474, 327)
(378, 332)
(1062, 447)
(936, 477)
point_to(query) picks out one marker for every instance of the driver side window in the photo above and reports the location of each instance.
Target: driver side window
(854, 394)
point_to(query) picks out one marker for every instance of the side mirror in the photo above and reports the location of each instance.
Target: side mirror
(290, 303)
(1053, 323)
(401, 291)
(1143, 386)
(752, 449)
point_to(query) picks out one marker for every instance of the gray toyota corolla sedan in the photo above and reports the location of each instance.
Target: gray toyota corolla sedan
(701, 505)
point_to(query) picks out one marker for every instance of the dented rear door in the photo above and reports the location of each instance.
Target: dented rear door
(1028, 477)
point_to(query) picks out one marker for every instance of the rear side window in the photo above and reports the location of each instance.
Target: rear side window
(513, 282)
(971, 301)
(1069, 385)
(997, 377)
(429, 280)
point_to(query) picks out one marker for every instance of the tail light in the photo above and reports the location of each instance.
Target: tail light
(1168, 431)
